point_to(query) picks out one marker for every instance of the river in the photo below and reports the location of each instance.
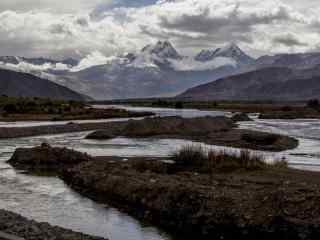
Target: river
(48, 199)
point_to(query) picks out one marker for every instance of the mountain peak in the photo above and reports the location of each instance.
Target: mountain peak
(162, 49)
(231, 50)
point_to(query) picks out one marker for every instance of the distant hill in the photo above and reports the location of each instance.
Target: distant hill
(19, 84)
(274, 83)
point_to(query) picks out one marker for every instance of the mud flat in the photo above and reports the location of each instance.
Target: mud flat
(261, 203)
(211, 130)
(16, 225)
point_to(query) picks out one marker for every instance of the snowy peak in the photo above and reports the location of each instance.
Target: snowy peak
(206, 55)
(231, 51)
(162, 49)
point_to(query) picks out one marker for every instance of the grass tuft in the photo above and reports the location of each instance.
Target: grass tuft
(204, 160)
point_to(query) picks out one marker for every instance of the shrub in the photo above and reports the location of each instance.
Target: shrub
(190, 155)
(283, 163)
(10, 108)
(313, 103)
(178, 105)
(207, 161)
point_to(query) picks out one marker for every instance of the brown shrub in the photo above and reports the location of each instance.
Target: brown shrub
(204, 160)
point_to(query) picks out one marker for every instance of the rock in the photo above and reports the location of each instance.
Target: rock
(46, 157)
(101, 135)
(241, 117)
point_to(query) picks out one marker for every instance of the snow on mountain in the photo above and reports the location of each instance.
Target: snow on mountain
(190, 64)
(231, 51)
(162, 50)
(157, 70)
(163, 54)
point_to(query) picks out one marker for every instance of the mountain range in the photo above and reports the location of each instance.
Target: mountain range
(159, 70)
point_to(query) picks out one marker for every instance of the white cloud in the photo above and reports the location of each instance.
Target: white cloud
(95, 58)
(63, 29)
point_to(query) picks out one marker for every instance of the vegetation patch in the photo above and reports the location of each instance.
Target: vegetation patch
(205, 160)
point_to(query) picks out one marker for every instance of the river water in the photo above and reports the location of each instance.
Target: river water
(48, 199)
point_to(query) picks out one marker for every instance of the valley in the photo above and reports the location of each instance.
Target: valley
(159, 120)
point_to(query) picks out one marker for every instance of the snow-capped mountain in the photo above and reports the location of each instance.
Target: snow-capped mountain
(154, 71)
(231, 51)
(162, 50)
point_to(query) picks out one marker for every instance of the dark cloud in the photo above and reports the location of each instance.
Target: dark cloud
(205, 22)
(82, 22)
(60, 29)
(288, 40)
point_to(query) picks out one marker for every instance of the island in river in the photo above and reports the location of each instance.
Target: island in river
(191, 197)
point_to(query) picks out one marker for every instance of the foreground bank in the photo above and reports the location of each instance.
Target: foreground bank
(245, 201)
(16, 225)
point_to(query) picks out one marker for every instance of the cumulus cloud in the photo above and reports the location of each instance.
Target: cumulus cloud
(95, 58)
(288, 40)
(77, 28)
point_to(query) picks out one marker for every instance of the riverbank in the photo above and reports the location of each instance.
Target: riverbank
(19, 226)
(267, 110)
(254, 203)
(42, 109)
(87, 114)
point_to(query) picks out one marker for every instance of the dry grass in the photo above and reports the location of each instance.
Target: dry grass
(202, 159)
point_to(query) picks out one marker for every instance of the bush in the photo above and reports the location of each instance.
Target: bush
(190, 155)
(207, 161)
(10, 108)
(178, 105)
(313, 103)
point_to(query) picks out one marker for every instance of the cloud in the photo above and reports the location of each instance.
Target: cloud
(57, 6)
(77, 28)
(95, 58)
(288, 40)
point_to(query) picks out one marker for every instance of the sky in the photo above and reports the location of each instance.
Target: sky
(77, 28)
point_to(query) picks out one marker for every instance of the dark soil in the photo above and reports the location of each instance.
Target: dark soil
(268, 204)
